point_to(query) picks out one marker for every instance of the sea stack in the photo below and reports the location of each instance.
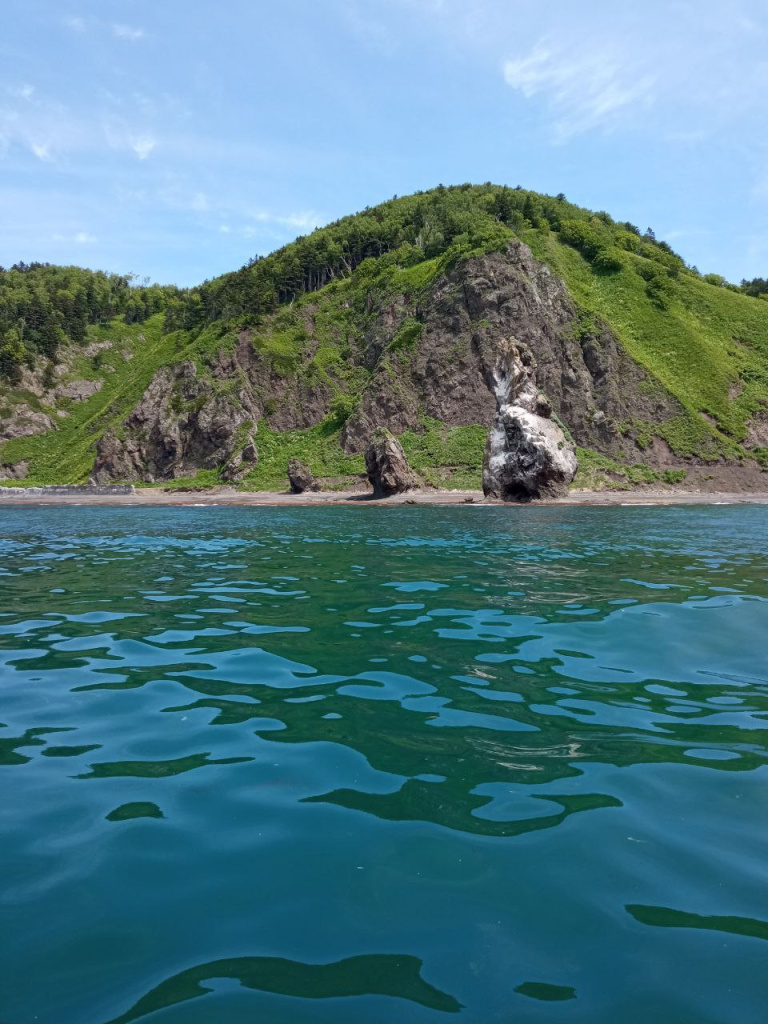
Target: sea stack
(527, 455)
(386, 465)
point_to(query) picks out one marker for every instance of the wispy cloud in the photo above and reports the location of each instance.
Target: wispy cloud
(592, 91)
(81, 238)
(142, 145)
(42, 150)
(301, 221)
(75, 23)
(128, 32)
(22, 92)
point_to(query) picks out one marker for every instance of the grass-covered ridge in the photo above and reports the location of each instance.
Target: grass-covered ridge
(307, 305)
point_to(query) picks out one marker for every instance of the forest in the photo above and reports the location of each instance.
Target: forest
(43, 306)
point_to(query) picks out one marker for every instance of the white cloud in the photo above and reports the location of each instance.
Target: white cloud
(42, 151)
(199, 203)
(142, 145)
(592, 91)
(75, 24)
(304, 221)
(133, 35)
(22, 92)
(81, 238)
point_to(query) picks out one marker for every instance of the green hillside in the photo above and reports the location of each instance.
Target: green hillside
(306, 308)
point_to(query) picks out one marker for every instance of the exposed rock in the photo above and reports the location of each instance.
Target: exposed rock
(241, 463)
(24, 421)
(386, 465)
(181, 425)
(527, 455)
(188, 421)
(757, 431)
(465, 317)
(79, 390)
(300, 477)
(93, 348)
(116, 459)
(14, 471)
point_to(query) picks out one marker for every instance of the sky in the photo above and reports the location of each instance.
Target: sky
(176, 140)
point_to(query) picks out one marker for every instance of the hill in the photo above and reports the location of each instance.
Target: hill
(391, 317)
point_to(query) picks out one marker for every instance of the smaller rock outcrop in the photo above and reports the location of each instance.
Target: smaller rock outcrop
(300, 477)
(527, 455)
(241, 463)
(386, 465)
(14, 471)
(79, 390)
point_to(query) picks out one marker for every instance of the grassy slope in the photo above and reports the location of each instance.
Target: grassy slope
(709, 348)
(66, 454)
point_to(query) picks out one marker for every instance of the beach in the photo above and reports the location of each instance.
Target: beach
(229, 496)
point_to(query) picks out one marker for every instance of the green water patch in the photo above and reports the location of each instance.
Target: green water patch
(664, 917)
(545, 992)
(371, 975)
(139, 809)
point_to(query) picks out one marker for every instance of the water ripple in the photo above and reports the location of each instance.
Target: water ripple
(416, 760)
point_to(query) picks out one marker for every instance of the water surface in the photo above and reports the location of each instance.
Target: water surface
(338, 765)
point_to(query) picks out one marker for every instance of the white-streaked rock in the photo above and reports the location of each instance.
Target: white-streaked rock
(527, 455)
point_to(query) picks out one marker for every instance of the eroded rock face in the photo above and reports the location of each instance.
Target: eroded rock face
(527, 455)
(188, 421)
(387, 467)
(300, 477)
(465, 318)
(181, 425)
(241, 463)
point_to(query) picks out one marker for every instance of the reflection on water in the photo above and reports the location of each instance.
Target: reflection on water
(663, 917)
(461, 757)
(357, 976)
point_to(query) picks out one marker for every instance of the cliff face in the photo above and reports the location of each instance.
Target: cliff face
(470, 316)
(427, 353)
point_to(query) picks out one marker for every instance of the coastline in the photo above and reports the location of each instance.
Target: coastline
(151, 497)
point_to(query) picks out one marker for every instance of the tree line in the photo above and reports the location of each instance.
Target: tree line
(43, 306)
(422, 226)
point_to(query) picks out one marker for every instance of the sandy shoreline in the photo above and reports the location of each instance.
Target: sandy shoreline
(362, 499)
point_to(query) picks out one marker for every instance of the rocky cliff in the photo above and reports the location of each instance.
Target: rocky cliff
(194, 418)
(399, 318)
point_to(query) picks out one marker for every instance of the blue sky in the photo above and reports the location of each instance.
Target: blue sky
(176, 140)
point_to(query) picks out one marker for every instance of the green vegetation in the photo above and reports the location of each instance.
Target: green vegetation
(317, 447)
(311, 309)
(446, 456)
(707, 345)
(43, 307)
(599, 473)
(66, 454)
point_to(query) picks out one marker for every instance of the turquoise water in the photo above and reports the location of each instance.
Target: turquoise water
(383, 765)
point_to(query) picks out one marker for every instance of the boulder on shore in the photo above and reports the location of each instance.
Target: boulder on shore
(527, 455)
(300, 477)
(386, 465)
